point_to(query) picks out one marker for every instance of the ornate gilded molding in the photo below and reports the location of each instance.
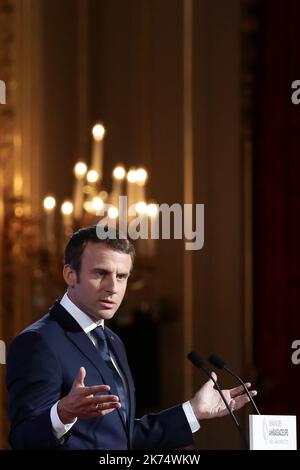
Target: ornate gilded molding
(7, 114)
(20, 135)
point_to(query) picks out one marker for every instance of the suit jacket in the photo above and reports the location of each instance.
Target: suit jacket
(42, 364)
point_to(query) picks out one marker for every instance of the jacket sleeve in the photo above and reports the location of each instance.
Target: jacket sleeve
(34, 380)
(168, 429)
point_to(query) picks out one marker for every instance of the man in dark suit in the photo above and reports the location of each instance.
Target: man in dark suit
(68, 378)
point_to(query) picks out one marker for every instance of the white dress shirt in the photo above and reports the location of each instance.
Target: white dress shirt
(88, 325)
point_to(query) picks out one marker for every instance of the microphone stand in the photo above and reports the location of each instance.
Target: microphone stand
(198, 362)
(220, 364)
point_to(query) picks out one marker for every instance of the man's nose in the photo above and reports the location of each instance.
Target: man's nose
(111, 285)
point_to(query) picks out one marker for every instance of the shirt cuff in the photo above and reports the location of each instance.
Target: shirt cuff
(190, 416)
(59, 428)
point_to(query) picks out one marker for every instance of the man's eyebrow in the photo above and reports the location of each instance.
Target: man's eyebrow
(104, 270)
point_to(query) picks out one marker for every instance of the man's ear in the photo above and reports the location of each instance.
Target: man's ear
(70, 276)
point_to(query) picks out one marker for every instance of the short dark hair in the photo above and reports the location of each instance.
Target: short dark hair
(78, 241)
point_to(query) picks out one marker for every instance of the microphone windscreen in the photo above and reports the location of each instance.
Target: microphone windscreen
(216, 361)
(195, 359)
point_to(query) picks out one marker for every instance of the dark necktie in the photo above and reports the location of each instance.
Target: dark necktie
(104, 353)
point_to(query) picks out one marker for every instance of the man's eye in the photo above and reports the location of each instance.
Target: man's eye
(122, 276)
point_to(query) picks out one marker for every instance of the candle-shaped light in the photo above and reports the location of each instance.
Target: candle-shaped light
(141, 177)
(79, 172)
(92, 178)
(97, 205)
(67, 211)
(112, 215)
(131, 188)
(117, 188)
(141, 207)
(98, 132)
(49, 204)
(88, 207)
(67, 223)
(113, 212)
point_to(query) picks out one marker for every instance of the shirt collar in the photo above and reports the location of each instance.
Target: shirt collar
(84, 321)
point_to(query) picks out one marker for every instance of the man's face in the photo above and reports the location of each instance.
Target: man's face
(103, 281)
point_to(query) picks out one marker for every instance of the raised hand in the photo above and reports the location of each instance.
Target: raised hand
(82, 402)
(207, 402)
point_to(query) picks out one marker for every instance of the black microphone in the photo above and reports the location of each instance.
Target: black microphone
(197, 361)
(220, 364)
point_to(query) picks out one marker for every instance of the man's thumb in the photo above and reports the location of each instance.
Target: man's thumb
(214, 376)
(79, 381)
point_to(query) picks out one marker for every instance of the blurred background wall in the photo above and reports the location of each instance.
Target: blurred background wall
(186, 89)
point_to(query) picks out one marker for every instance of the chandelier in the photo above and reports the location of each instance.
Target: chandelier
(90, 199)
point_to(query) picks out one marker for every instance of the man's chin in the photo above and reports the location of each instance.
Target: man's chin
(106, 314)
(101, 314)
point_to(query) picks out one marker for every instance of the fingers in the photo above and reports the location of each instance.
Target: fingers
(242, 400)
(79, 380)
(100, 399)
(95, 389)
(235, 392)
(91, 406)
(105, 408)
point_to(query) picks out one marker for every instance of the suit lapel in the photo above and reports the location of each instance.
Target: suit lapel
(118, 350)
